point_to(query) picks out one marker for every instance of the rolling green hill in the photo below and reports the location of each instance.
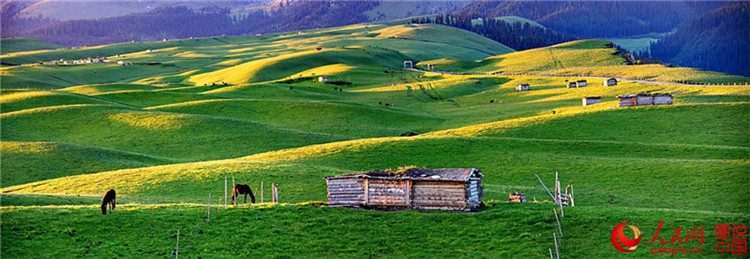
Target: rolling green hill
(11, 45)
(582, 58)
(167, 131)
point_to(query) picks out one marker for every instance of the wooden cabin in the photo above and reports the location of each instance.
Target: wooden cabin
(323, 79)
(582, 83)
(457, 189)
(663, 99)
(627, 100)
(644, 99)
(523, 87)
(610, 82)
(572, 85)
(589, 100)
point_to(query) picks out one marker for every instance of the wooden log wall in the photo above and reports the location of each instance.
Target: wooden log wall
(662, 100)
(346, 192)
(627, 102)
(439, 195)
(644, 100)
(387, 192)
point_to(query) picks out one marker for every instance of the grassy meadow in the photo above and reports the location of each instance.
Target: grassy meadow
(166, 131)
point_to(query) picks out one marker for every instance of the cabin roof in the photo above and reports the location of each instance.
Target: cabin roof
(592, 97)
(426, 174)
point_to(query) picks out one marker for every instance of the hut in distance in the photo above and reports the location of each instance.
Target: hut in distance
(523, 87)
(590, 100)
(610, 82)
(456, 189)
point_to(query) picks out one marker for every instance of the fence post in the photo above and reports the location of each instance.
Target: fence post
(557, 249)
(261, 191)
(275, 193)
(177, 250)
(225, 192)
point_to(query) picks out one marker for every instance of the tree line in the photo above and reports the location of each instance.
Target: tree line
(517, 35)
(718, 41)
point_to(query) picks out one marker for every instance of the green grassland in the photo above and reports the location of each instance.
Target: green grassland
(11, 45)
(582, 58)
(168, 130)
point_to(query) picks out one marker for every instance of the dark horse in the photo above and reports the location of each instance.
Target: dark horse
(109, 199)
(238, 189)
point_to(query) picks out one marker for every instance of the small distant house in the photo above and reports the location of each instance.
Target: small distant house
(457, 189)
(589, 100)
(582, 83)
(572, 85)
(409, 63)
(523, 87)
(627, 100)
(323, 79)
(644, 99)
(148, 50)
(610, 82)
(663, 99)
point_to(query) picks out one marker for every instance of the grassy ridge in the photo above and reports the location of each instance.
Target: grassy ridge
(582, 58)
(23, 44)
(178, 136)
(354, 120)
(26, 162)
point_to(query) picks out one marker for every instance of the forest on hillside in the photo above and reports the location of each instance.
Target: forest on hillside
(597, 19)
(518, 36)
(718, 41)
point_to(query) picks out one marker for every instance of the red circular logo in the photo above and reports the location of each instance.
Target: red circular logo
(618, 237)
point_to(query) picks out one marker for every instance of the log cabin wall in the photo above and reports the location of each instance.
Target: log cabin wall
(644, 100)
(662, 99)
(474, 193)
(627, 101)
(383, 192)
(439, 195)
(346, 192)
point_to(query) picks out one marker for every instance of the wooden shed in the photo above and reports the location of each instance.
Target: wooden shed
(663, 99)
(582, 83)
(458, 189)
(572, 85)
(610, 82)
(626, 100)
(644, 99)
(323, 79)
(589, 100)
(523, 87)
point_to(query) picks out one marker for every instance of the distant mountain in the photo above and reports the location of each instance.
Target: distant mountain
(718, 41)
(67, 10)
(71, 22)
(596, 19)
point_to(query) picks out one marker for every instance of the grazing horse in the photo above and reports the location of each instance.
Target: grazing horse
(109, 199)
(238, 189)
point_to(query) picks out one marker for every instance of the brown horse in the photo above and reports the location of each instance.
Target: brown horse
(109, 199)
(238, 189)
